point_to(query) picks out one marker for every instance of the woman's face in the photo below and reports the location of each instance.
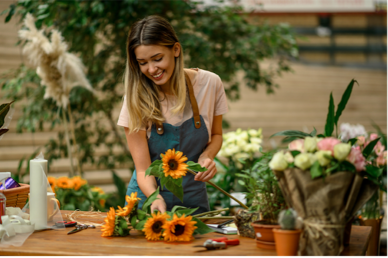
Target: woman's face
(157, 62)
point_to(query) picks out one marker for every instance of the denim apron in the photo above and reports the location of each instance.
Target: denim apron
(190, 138)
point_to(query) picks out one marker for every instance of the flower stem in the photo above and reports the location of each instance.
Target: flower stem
(219, 217)
(210, 212)
(221, 190)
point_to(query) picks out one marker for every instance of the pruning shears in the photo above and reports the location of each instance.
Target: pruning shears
(218, 243)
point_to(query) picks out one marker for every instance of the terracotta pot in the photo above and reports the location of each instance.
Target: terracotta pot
(287, 241)
(265, 245)
(263, 232)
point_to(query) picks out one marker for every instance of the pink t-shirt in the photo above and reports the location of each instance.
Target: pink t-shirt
(209, 93)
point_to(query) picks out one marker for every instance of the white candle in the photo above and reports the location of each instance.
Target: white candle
(38, 192)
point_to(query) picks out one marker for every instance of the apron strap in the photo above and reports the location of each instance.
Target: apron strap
(194, 105)
(193, 101)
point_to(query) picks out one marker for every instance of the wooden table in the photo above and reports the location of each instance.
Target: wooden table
(89, 242)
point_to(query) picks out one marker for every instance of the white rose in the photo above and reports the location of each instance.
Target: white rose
(341, 151)
(231, 149)
(252, 132)
(310, 144)
(323, 157)
(241, 143)
(244, 135)
(278, 162)
(242, 155)
(302, 161)
(256, 140)
(288, 156)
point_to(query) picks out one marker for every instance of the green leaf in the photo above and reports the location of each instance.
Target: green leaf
(344, 101)
(314, 132)
(373, 171)
(369, 148)
(381, 134)
(294, 133)
(121, 188)
(329, 127)
(68, 206)
(153, 169)
(178, 181)
(352, 141)
(187, 212)
(134, 221)
(294, 153)
(241, 182)
(175, 189)
(201, 227)
(177, 207)
(316, 170)
(140, 225)
(141, 214)
(195, 167)
(12, 8)
(150, 200)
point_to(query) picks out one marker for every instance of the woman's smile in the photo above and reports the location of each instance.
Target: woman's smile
(158, 76)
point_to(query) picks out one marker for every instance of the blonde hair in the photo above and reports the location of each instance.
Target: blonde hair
(141, 93)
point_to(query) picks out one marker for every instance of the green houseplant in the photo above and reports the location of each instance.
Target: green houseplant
(265, 200)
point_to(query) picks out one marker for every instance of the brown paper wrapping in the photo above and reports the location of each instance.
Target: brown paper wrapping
(324, 205)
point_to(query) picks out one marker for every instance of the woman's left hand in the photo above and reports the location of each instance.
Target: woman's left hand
(209, 173)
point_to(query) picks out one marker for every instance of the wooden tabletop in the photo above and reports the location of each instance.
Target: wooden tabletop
(89, 242)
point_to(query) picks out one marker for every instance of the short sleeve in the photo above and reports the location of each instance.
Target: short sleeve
(124, 116)
(221, 106)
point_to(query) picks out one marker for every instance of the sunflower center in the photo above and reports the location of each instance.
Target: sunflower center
(179, 230)
(157, 227)
(173, 164)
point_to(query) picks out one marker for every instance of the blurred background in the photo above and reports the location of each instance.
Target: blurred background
(283, 60)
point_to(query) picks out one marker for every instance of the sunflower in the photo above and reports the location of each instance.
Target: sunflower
(109, 227)
(179, 229)
(173, 164)
(153, 226)
(78, 182)
(64, 182)
(131, 201)
(53, 182)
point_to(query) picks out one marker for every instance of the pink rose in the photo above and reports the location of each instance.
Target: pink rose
(328, 144)
(297, 145)
(356, 158)
(373, 136)
(379, 148)
(382, 159)
(360, 140)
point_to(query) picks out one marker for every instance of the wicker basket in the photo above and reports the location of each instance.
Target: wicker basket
(17, 197)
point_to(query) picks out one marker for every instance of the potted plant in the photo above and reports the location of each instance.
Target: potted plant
(265, 201)
(287, 237)
(4, 119)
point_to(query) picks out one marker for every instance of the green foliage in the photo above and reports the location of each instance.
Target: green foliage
(4, 108)
(96, 31)
(329, 126)
(369, 148)
(263, 192)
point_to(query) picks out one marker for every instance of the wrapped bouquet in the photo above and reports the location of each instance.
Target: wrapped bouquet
(326, 181)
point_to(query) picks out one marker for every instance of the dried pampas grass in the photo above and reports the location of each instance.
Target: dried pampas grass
(59, 70)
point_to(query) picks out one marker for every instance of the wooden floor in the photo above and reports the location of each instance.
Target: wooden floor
(299, 103)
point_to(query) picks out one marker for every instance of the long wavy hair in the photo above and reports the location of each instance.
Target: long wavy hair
(142, 95)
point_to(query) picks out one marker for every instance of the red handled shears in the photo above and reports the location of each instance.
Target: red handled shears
(219, 243)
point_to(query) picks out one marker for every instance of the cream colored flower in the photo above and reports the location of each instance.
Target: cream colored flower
(341, 151)
(302, 161)
(323, 157)
(310, 144)
(278, 162)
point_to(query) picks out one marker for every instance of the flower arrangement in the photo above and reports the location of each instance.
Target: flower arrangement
(5, 118)
(176, 225)
(75, 193)
(241, 145)
(316, 167)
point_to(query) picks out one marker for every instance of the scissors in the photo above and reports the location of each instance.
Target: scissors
(79, 228)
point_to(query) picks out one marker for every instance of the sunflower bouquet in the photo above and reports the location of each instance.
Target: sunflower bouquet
(175, 225)
(75, 193)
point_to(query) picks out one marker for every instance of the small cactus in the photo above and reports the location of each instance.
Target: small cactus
(287, 219)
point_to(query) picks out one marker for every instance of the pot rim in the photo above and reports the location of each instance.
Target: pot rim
(286, 231)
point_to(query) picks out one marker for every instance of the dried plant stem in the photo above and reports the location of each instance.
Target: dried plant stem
(68, 142)
(211, 212)
(221, 190)
(74, 141)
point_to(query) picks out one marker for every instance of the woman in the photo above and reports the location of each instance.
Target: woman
(165, 107)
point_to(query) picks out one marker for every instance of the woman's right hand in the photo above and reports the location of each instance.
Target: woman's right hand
(159, 204)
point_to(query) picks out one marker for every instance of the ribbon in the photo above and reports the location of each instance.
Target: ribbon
(14, 223)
